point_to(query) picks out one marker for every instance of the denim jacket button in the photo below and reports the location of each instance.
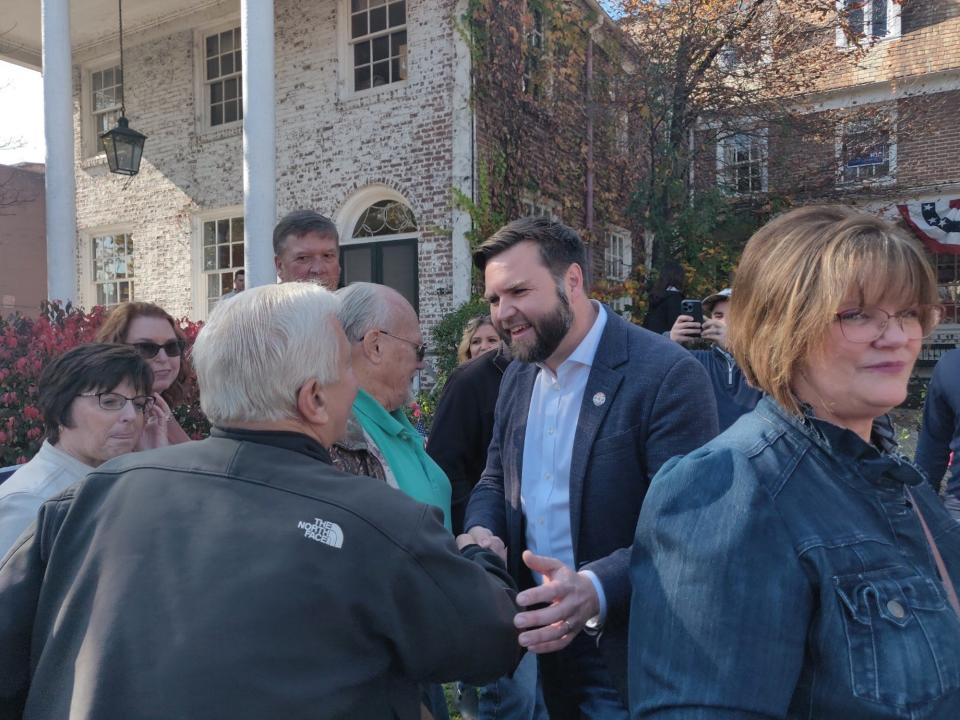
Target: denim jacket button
(896, 609)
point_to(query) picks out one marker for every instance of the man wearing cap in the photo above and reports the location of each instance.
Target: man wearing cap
(734, 396)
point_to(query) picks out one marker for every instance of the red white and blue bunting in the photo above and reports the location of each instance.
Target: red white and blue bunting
(936, 222)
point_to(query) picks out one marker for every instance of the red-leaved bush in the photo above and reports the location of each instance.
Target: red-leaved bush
(27, 345)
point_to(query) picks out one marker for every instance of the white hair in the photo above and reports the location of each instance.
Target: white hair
(366, 306)
(259, 347)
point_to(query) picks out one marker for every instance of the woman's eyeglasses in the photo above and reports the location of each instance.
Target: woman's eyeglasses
(864, 325)
(115, 402)
(149, 350)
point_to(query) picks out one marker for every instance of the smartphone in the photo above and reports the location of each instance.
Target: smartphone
(693, 308)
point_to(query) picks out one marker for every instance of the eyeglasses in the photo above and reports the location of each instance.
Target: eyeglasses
(115, 402)
(864, 325)
(149, 350)
(420, 349)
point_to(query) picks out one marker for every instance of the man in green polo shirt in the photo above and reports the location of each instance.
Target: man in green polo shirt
(387, 352)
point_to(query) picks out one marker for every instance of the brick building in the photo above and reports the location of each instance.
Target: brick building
(375, 126)
(881, 132)
(23, 276)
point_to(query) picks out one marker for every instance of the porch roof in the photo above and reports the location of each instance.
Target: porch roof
(92, 23)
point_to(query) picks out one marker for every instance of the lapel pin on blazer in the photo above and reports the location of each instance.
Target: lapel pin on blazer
(599, 399)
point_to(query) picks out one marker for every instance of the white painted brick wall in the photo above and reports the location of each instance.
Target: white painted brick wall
(327, 147)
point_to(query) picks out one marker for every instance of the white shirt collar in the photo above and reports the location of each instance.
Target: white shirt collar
(586, 351)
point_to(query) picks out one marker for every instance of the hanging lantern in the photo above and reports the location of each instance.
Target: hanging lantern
(124, 148)
(122, 145)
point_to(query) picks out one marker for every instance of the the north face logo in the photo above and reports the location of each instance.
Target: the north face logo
(323, 531)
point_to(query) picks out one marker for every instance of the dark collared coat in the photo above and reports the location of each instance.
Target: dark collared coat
(242, 577)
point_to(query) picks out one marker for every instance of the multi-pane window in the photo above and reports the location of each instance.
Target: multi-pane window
(948, 279)
(106, 87)
(616, 251)
(865, 151)
(742, 164)
(112, 257)
(617, 263)
(223, 77)
(378, 42)
(869, 19)
(623, 132)
(222, 256)
(538, 208)
(533, 53)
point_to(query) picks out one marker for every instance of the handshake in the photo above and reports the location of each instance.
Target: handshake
(566, 601)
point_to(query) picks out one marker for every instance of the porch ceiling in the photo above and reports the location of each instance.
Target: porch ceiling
(91, 22)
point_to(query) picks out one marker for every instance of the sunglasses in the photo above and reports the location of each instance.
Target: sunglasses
(149, 350)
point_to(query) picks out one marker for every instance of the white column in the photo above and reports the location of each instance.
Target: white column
(259, 140)
(462, 162)
(61, 216)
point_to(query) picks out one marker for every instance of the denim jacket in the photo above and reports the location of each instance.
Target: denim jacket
(781, 571)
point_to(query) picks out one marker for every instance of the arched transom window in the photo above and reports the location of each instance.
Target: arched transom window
(382, 248)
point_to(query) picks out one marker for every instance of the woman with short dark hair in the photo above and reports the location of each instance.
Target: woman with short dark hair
(798, 566)
(93, 399)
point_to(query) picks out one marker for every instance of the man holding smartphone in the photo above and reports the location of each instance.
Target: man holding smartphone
(734, 396)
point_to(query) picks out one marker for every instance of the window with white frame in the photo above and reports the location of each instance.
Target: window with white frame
(378, 42)
(223, 77)
(112, 271)
(106, 88)
(617, 254)
(533, 52)
(222, 257)
(867, 20)
(621, 123)
(538, 207)
(867, 149)
(742, 163)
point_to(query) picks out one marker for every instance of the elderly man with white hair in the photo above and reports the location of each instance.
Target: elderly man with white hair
(243, 576)
(387, 351)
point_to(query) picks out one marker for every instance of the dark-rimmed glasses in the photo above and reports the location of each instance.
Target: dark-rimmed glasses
(864, 325)
(149, 350)
(115, 402)
(420, 349)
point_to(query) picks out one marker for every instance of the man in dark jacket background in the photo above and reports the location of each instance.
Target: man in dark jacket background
(940, 431)
(734, 395)
(243, 576)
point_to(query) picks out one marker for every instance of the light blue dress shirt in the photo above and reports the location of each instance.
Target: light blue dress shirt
(548, 449)
(51, 471)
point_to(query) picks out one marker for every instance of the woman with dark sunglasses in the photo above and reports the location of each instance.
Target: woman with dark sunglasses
(153, 333)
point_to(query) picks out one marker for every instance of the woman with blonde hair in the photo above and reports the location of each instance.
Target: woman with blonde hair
(153, 333)
(798, 566)
(479, 337)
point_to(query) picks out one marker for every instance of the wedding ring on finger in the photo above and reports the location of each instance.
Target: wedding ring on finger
(569, 627)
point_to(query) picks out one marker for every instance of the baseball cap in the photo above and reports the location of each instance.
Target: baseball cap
(710, 300)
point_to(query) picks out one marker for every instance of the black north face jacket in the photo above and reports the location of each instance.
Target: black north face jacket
(242, 577)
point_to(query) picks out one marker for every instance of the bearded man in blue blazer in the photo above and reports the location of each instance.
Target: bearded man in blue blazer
(583, 422)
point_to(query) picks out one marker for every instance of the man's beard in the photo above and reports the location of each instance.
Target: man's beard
(549, 331)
